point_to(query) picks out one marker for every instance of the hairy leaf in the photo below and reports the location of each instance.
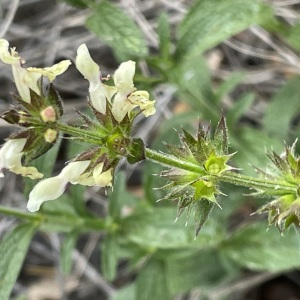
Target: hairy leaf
(13, 248)
(117, 30)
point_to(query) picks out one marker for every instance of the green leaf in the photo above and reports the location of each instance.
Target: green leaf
(63, 206)
(152, 281)
(284, 106)
(187, 270)
(249, 144)
(13, 248)
(239, 108)
(192, 77)
(125, 293)
(210, 22)
(259, 249)
(228, 85)
(109, 261)
(117, 195)
(68, 246)
(163, 31)
(293, 37)
(155, 229)
(117, 30)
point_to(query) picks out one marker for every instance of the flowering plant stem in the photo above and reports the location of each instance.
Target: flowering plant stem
(269, 187)
(84, 224)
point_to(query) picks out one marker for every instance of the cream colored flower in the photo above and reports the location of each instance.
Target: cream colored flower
(54, 187)
(11, 159)
(27, 78)
(97, 177)
(123, 78)
(141, 99)
(74, 173)
(51, 72)
(127, 97)
(91, 72)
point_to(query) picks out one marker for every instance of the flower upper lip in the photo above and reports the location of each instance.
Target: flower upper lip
(27, 78)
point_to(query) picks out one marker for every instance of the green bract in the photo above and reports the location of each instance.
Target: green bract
(210, 154)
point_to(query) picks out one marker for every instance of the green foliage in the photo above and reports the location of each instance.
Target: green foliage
(293, 36)
(115, 28)
(164, 34)
(288, 96)
(66, 251)
(13, 249)
(162, 252)
(258, 249)
(210, 22)
(152, 282)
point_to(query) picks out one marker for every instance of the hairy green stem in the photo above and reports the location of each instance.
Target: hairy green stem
(269, 187)
(171, 161)
(83, 224)
(19, 214)
(81, 133)
(272, 188)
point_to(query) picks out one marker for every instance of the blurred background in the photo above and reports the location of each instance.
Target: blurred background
(199, 59)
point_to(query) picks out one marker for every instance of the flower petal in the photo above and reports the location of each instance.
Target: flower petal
(141, 99)
(45, 190)
(27, 78)
(91, 71)
(11, 159)
(6, 56)
(74, 170)
(104, 179)
(52, 188)
(121, 107)
(11, 153)
(123, 77)
(53, 71)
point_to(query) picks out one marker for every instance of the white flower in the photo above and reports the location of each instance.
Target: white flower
(11, 159)
(54, 187)
(51, 72)
(91, 71)
(127, 97)
(97, 177)
(27, 78)
(141, 99)
(74, 173)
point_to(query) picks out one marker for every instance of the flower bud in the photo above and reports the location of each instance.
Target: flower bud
(50, 135)
(48, 114)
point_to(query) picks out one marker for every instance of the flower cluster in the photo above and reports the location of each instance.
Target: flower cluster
(196, 190)
(109, 132)
(284, 210)
(39, 107)
(123, 96)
